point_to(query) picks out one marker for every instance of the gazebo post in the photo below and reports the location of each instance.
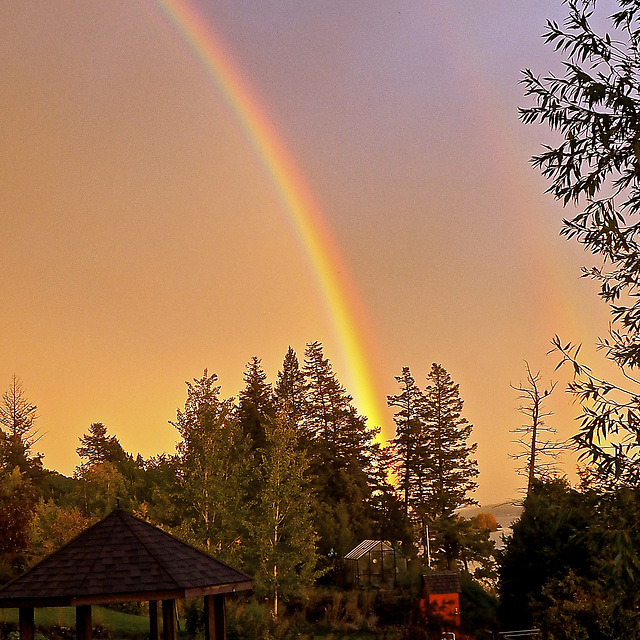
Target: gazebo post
(168, 620)
(83, 622)
(215, 620)
(154, 627)
(27, 625)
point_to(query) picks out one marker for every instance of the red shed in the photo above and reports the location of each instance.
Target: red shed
(440, 598)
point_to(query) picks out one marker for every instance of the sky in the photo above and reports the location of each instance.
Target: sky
(146, 234)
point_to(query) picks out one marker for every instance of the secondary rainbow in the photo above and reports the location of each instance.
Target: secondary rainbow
(341, 298)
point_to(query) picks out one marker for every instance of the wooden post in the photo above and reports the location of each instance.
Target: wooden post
(168, 620)
(154, 627)
(215, 621)
(83, 622)
(27, 625)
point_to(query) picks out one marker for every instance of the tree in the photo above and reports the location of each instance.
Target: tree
(54, 526)
(18, 435)
(539, 455)
(101, 489)
(213, 466)
(105, 461)
(255, 404)
(18, 500)
(408, 444)
(343, 456)
(569, 567)
(459, 539)
(97, 447)
(596, 165)
(450, 466)
(283, 539)
(548, 540)
(290, 389)
(449, 470)
(486, 522)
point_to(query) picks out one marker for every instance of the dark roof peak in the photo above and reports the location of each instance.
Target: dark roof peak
(122, 558)
(441, 582)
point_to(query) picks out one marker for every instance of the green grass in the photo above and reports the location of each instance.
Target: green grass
(66, 617)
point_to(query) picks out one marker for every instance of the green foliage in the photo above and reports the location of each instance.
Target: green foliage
(282, 540)
(255, 404)
(17, 432)
(290, 389)
(407, 446)
(101, 489)
(577, 608)
(214, 470)
(548, 540)
(53, 527)
(342, 454)
(433, 461)
(478, 607)
(96, 447)
(594, 108)
(459, 539)
(571, 564)
(18, 498)
(451, 469)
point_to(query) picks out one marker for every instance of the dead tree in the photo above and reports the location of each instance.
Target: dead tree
(539, 455)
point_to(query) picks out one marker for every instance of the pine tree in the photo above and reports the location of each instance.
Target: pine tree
(342, 456)
(96, 446)
(255, 404)
(290, 389)
(407, 445)
(213, 464)
(451, 470)
(97, 449)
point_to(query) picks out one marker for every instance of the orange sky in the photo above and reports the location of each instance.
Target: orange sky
(143, 239)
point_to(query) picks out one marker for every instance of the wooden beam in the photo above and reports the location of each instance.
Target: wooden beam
(27, 625)
(154, 627)
(215, 620)
(168, 620)
(83, 622)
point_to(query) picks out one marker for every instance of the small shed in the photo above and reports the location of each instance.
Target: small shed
(372, 563)
(440, 598)
(125, 559)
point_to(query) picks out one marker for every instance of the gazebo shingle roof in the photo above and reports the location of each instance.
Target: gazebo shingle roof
(118, 559)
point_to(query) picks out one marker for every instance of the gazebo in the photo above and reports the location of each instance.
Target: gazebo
(125, 559)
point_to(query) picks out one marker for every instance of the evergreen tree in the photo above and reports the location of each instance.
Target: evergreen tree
(213, 466)
(451, 470)
(342, 456)
(290, 389)
(255, 404)
(96, 446)
(103, 459)
(407, 445)
(282, 536)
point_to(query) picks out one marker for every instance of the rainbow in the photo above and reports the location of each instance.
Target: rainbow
(347, 313)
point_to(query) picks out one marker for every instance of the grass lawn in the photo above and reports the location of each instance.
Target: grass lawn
(66, 617)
